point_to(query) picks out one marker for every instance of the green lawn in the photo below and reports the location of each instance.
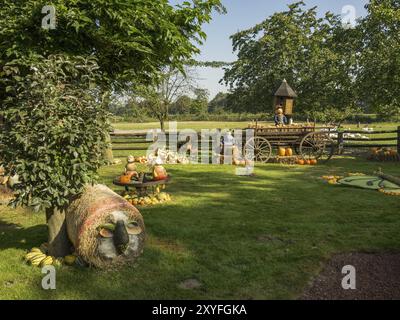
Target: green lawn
(243, 238)
(194, 125)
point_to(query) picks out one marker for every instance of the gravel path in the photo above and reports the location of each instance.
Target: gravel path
(377, 278)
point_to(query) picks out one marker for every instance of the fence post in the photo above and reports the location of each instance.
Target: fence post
(398, 140)
(340, 142)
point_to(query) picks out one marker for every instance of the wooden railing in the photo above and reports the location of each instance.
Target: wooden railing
(392, 141)
(125, 140)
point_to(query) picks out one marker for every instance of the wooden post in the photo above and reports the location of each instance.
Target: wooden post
(340, 142)
(398, 140)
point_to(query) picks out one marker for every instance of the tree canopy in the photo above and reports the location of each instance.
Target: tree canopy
(132, 39)
(54, 134)
(378, 79)
(330, 67)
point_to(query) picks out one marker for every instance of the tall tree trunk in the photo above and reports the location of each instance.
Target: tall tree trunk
(162, 124)
(108, 153)
(59, 244)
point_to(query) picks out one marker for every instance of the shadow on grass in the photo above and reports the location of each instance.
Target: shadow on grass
(242, 237)
(16, 236)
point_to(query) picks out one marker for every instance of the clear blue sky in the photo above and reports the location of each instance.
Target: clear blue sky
(243, 14)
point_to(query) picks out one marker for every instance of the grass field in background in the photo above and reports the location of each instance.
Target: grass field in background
(262, 237)
(194, 125)
(198, 125)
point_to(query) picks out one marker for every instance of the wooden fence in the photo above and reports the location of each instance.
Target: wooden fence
(124, 140)
(385, 139)
(136, 141)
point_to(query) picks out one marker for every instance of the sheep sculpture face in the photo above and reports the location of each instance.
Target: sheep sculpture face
(105, 230)
(118, 237)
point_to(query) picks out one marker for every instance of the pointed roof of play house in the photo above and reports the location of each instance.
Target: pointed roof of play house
(285, 91)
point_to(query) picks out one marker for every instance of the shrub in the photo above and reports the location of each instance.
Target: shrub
(54, 133)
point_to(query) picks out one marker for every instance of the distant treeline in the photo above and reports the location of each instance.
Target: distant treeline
(236, 117)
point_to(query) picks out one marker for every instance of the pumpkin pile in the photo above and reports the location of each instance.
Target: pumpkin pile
(286, 156)
(142, 160)
(307, 162)
(332, 179)
(383, 154)
(159, 173)
(148, 200)
(285, 152)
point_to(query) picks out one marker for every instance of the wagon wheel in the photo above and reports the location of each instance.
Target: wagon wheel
(317, 145)
(257, 149)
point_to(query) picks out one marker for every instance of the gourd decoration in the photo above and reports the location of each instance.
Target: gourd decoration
(130, 166)
(289, 152)
(125, 178)
(159, 173)
(282, 152)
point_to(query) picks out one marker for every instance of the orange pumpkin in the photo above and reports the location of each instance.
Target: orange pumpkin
(289, 152)
(159, 173)
(281, 152)
(300, 162)
(125, 178)
(307, 162)
(313, 162)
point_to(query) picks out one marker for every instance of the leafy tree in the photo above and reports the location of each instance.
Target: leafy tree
(314, 54)
(54, 136)
(131, 39)
(378, 79)
(390, 112)
(219, 103)
(171, 85)
(200, 103)
(333, 115)
(182, 105)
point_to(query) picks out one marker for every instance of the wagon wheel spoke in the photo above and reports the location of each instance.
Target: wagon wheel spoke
(257, 149)
(317, 145)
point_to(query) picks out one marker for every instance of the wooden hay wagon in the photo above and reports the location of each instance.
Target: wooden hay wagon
(309, 142)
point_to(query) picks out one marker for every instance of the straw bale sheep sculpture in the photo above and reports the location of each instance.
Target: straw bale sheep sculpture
(105, 230)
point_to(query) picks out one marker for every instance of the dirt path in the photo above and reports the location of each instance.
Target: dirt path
(377, 278)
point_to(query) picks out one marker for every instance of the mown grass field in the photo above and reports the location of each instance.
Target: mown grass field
(262, 237)
(198, 125)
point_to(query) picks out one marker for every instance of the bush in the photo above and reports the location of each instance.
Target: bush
(55, 129)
